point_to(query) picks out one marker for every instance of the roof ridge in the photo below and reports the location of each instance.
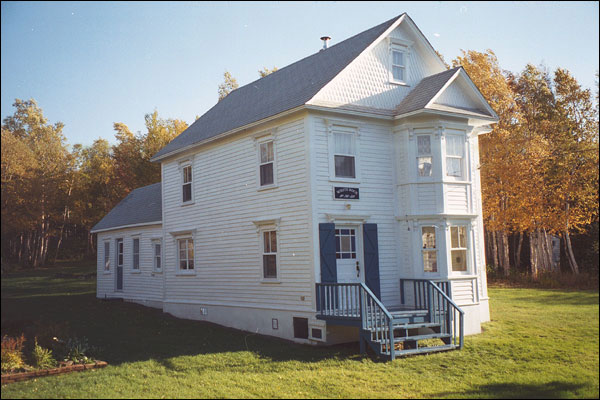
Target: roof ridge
(321, 51)
(289, 87)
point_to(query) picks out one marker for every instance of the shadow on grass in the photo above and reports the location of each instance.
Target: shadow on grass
(551, 390)
(128, 332)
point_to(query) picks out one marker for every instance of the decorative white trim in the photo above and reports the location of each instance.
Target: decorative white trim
(263, 222)
(184, 232)
(347, 218)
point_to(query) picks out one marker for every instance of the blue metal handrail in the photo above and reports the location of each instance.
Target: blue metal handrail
(434, 296)
(357, 301)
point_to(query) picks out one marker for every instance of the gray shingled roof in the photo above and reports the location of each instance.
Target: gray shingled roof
(424, 91)
(283, 90)
(142, 205)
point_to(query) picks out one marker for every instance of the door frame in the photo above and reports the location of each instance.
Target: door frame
(358, 229)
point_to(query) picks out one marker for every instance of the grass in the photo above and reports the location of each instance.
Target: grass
(540, 344)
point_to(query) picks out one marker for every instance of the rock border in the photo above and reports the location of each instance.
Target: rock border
(22, 376)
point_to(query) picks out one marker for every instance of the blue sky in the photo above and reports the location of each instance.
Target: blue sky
(92, 64)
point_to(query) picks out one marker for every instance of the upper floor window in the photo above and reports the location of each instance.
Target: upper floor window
(454, 155)
(267, 163)
(136, 254)
(344, 156)
(429, 249)
(186, 187)
(106, 256)
(458, 244)
(424, 156)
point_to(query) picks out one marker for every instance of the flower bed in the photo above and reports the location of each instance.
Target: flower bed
(22, 376)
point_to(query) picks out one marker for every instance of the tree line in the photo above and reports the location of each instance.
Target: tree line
(539, 172)
(52, 195)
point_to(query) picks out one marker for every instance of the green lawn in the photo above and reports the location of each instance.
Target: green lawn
(540, 343)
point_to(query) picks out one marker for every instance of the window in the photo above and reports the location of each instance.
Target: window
(424, 158)
(429, 249)
(344, 155)
(157, 248)
(345, 243)
(267, 163)
(270, 254)
(454, 155)
(119, 252)
(187, 184)
(107, 256)
(136, 254)
(185, 254)
(458, 252)
(399, 65)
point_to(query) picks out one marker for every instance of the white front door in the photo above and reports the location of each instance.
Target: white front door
(348, 254)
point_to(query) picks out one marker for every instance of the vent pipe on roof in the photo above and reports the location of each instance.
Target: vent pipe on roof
(325, 40)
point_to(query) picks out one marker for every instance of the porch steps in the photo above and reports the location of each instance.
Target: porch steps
(410, 328)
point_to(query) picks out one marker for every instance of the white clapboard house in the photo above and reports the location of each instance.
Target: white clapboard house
(335, 199)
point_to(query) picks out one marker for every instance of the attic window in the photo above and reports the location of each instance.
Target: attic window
(399, 64)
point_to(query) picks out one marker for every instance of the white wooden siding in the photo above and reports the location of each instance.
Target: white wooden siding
(457, 201)
(366, 81)
(228, 262)
(375, 148)
(463, 291)
(142, 285)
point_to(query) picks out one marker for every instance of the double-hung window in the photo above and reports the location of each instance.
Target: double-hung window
(424, 156)
(458, 252)
(106, 256)
(398, 67)
(267, 163)
(186, 184)
(157, 255)
(270, 254)
(136, 254)
(185, 254)
(429, 249)
(344, 154)
(454, 155)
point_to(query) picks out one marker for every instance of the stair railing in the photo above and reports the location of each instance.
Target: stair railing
(434, 297)
(356, 301)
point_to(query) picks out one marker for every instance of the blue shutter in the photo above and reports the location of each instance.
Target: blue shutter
(327, 250)
(371, 250)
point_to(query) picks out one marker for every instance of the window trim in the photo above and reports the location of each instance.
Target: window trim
(260, 141)
(423, 249)
(460, 158)
(182, 166)
(133, 269)
(265, 253)
(268, 224)
(187, 271)
(162, 251)
(402, 47)
(468, 263)
(345, 129)
(107, 262)
(430, 155)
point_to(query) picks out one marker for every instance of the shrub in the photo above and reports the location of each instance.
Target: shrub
(12, 353)
(42, 358)
(75, 349)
